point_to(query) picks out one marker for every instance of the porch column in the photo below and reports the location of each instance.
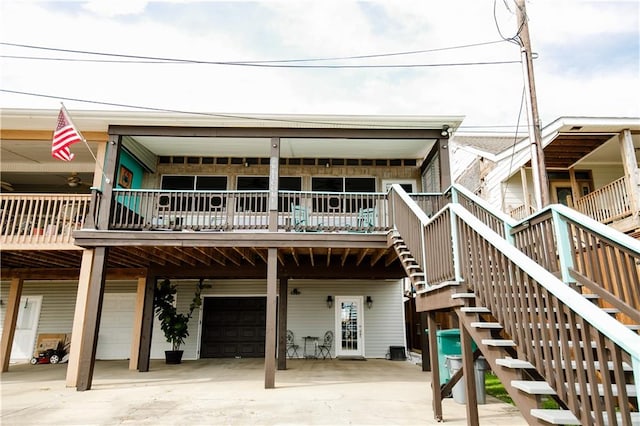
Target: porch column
(435, 371)
(146, 327)
(10, 320)
(630, 170)
(91, 323)
(282, 323)
(270, 335)
(78, 317)
(445, 165)
(137, 324)
(424, 343)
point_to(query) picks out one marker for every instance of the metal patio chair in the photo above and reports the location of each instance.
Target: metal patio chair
(292, 348)
(324, 350)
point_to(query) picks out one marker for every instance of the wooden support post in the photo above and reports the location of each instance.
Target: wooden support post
(270, 335)
(274, 177)
(78, 317)
(282, 323)
(630, 167)
(10, 320)
(137, 324)
(424, 343)
(91, 323)
(435, 371)
(146, 328)
(470, 377)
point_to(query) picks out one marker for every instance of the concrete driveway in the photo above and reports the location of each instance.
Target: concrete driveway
(231, 392)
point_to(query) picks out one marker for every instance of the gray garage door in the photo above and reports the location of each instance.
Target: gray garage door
(233, 326)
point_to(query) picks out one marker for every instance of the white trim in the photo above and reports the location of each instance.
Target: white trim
(361, 326)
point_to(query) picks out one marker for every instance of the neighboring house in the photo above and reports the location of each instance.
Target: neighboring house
(273, 212)
(591, 163)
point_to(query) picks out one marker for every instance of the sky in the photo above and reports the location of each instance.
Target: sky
(588, 57)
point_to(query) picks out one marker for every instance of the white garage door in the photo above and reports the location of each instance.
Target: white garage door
(116, 329)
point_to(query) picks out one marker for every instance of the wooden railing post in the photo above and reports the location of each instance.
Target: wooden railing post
(564, 247)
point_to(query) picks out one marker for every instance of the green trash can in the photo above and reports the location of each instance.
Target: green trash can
(448, 344)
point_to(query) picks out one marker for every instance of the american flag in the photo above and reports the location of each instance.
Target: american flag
(64, 136)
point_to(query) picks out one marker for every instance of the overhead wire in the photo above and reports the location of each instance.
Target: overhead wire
(269, 63)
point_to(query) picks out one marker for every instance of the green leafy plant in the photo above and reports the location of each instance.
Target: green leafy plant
(175, 325)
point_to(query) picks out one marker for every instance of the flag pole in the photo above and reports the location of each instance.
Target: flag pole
(66, 113)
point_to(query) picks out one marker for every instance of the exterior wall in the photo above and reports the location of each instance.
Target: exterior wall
(233, 171)
(604, 175)
(307, 312)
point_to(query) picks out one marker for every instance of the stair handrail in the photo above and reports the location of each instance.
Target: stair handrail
(596, 317)
(416, 240)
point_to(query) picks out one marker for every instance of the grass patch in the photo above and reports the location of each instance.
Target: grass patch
(494, 387)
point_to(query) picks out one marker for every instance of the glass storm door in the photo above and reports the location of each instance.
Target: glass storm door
(349, 322)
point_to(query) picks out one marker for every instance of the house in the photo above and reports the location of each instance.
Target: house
(591, 163)
(284, 218)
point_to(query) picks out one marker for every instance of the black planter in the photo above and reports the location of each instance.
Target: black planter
(173, 357)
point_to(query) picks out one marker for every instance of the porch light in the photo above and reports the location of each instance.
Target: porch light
(445, 130)
(369, 302)
(295, 292)
(329, 301)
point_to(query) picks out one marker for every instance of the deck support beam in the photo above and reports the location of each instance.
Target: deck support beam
(92, 307)
(10, 320)
(282, 323)
(470, 377)
(435, 371)
(270, 335)
(137, 324)
(146, 327)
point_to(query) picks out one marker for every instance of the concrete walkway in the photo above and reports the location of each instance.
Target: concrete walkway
(231, 392)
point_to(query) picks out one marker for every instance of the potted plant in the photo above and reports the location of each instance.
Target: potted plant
(175, 325)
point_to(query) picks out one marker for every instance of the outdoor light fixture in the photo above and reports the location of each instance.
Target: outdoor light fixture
(369, 302)
(329, 301)
(445, 130)
(295, 292)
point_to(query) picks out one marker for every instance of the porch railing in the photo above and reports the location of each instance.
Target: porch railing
(248, 210)
(607, 204)
(34, 219)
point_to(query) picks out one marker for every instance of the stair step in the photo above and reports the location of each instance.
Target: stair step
(513, 363)
(533, 387)
(543, 388)
(555, 417)
(565, 417)
(475, 310)
(495, 325)
(411, 266)
(498, 342)
(463, 296)
(416, 275)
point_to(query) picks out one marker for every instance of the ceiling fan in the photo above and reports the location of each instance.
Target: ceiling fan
(74, 180)
(6, 186)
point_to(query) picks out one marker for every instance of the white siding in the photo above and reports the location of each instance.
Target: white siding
(307, 312)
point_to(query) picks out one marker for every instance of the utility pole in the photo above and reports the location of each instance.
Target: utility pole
(540, 181)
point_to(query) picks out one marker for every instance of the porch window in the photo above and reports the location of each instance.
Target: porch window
(197, 202)
(341, 184)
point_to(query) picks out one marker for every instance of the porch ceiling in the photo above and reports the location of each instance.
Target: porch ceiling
(566, 150)
(238, 262)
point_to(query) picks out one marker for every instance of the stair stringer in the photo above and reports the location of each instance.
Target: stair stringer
(524, 402)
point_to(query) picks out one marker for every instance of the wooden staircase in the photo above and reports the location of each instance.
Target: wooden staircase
(414, 272)
(528, 385)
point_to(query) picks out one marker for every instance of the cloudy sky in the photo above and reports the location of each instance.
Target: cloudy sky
(588, 57)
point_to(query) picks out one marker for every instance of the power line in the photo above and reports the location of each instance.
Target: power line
(247, 63)
(449, 64)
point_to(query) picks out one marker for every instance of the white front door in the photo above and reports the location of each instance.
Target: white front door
(349, 323)
(24, 339)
